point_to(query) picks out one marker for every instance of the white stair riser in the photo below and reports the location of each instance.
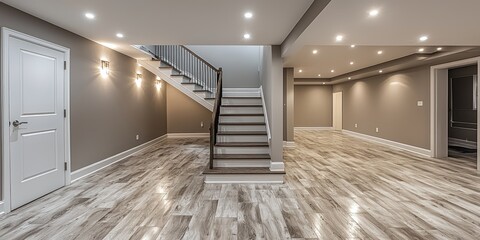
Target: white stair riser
(241, 94)
(242, 101)
(180, 79)
(242, 128)
(244, 178)
(241, 163)
(203, 94)
(242, 119)
(242, 138)
(192, 86)
(211, 101)
(241, 110)
(242, 150)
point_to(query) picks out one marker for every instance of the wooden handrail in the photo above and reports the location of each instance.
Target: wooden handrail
(216, 115)
(200, 58)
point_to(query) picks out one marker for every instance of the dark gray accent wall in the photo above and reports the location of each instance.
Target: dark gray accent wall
(240, 64)
(389, 102)
(463, 91)
(313, 105)
(184, 115)
(106, 114)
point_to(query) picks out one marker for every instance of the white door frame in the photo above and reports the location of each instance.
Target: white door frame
(439, 107)
(6, 34)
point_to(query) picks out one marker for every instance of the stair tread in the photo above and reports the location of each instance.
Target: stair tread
(179, 75)
(242, 123)
(240, 97)
(241, 156)
(240, 170)
(241, 114)
(242, 144)
(242, 105)
(242, 133)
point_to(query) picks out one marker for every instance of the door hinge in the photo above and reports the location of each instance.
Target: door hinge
(65, 65)
(66, 167)
(64, 113)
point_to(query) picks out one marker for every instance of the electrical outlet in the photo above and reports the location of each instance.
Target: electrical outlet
(137, 137)
(201, 124)
(356, 125)
(376, 129)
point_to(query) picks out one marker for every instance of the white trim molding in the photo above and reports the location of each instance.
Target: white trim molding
(92, 168)
(313, 128)
(277, 166)
(265, 115)
(288, 144)
(188, 135)
(406, 147)
(2, 208)
(5, 106)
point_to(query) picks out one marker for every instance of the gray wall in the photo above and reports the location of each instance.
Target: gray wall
(240, 63)
(99, 107)
(313, 105)
(288, 104)
(466, 115)
(184, 115)
(389, 102)
(271, 73)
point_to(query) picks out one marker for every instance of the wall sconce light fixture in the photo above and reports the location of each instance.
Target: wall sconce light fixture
(138, 81)
(105, 68)
(158, 85)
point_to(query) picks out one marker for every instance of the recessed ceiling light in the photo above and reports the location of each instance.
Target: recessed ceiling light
(120, 35)
(439, 49)
(339, 38)
(352, 46)
(380, 71)
(315, 51)
(332, 71)
(351, 63)
(319, 75)
(248, 15)
(373, 12)
(380, 52)
(246, 36)
(300, 70)
(349, 78)
(90, 15)
(323, 83)
(423, 38)
(421, 49)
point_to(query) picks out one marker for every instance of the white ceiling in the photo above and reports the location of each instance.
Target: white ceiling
(195, 22)
(338, 58)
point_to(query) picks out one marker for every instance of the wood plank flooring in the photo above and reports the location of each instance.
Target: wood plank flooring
(337, 187)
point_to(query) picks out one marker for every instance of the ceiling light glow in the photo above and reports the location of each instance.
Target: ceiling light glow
(349, 78)
(352, 46)
(248, 15)
(373, 12)
(246, 36)
(90, 15)
(319, 75)
(120, 35)
(439, 49)
(421, 49)
(339, 38)
(351, 63)
(300, 70)
(332, 71)
(315, 51)
(380, 52)
(423, 38)
(380, 71)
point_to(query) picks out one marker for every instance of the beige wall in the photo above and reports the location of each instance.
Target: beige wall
(389, 102)
(184, 115)
(313, 106)
(106, 114)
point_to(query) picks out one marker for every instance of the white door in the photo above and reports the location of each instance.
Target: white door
(36, 100)
(337, 111)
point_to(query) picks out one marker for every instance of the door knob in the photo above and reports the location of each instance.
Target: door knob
(16, 123)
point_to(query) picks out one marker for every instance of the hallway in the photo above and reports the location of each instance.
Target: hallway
(336, 187)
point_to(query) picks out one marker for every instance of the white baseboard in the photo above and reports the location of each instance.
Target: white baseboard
(83, 172)
(288, 144)
(313, 128)
(462, 143)
(2, 208)
(244, 178)
(410, 148)
(277, 166)
(188, 135)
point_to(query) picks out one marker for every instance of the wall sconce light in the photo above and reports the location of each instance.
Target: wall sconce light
(138, 81)
(105, 68)
(158, 85)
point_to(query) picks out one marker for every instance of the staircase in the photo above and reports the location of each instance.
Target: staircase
(239, 144)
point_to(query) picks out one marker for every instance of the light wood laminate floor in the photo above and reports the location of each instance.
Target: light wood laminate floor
(337, 187)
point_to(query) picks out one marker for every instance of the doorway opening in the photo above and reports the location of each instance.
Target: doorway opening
(453, 113)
